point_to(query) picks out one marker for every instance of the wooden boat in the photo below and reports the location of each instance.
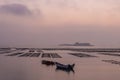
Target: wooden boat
(64, 67)
(48, 63)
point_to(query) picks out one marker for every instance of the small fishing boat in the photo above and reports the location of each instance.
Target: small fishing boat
(48, 63)
(64, 67)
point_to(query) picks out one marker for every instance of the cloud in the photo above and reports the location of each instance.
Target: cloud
(15, 9)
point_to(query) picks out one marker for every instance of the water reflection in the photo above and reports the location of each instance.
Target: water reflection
(65, 70)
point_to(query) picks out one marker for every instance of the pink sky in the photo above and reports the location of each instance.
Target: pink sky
(47, 22)
(103, 12)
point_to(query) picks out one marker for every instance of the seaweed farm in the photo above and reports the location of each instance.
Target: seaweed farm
(55, 55)
(111, 54)
(40, 64)
(46, 55)
(51, 55)
(14, 54)
(7, 51)
(26, 55)
(33, 53)
(112, 61)
(81, 55)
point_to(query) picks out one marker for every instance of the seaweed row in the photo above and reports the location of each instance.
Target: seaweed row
(7, 51)
(51, 55)
(110, 54)
(81, 55)
(112, 61)
(25, 54)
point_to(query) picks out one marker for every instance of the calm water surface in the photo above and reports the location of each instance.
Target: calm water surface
(29, 68)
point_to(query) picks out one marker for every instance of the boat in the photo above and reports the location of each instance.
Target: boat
(48, 63)
(67, 67)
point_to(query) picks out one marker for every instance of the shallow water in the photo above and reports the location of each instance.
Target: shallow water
(86, 68)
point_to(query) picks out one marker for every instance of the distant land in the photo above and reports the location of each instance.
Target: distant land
(77, 44)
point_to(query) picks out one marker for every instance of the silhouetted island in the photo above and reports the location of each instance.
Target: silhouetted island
(77, 44)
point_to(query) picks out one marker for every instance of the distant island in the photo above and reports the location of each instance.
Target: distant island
(77, 44)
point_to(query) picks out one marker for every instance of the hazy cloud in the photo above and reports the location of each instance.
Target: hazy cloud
(15, 9)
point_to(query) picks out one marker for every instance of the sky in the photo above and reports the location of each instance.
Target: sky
(42, 23)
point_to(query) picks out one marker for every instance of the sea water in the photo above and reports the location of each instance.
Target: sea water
(86, 68)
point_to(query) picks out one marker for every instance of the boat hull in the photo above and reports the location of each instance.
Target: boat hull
(64, 67)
